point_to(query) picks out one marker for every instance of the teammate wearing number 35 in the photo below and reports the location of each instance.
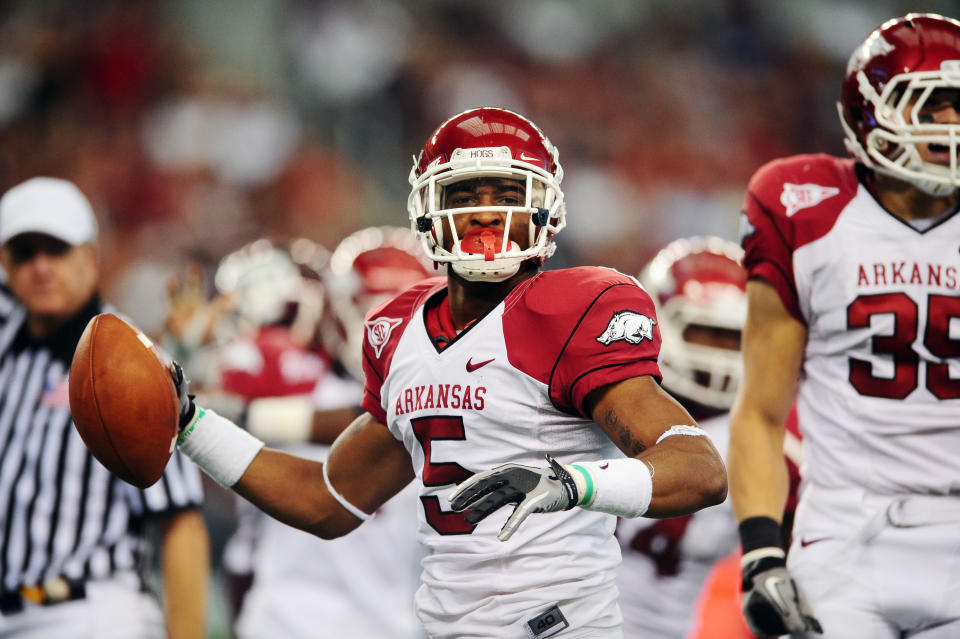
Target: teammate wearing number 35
(537, 390)
(853, 307)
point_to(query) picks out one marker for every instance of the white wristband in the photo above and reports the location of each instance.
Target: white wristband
(356, 512)
(219, 447)
(622, 487)
(280, 419)
(682, 429)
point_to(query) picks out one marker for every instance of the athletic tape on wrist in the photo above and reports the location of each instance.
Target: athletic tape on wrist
(356, 512)
(622, 487)
(219, 447)
(682, 429)
(280, 419)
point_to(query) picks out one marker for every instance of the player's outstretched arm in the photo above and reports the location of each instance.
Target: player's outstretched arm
(365, 468)
(772, 603)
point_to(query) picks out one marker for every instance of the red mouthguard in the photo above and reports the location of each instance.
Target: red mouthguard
(482, 240)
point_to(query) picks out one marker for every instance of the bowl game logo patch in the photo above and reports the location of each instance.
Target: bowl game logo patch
(378, 332)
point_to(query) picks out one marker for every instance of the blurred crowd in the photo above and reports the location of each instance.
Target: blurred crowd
(196, 127)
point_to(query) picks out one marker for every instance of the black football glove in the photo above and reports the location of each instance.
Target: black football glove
(534, 490)
(187, 407)
(772, 603)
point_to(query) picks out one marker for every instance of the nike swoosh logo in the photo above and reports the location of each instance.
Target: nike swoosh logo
(472, 367)
(529, 158)
(806, 542)
(605, 465)
(772, 587)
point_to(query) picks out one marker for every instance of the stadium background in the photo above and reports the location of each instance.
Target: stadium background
(195, 126)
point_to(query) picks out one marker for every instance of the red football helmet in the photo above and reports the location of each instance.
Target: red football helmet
(699, 287)
(487, 142)
(275, 282)
(893, 79)
(367, 268)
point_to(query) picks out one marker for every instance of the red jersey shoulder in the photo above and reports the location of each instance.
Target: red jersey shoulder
(385, 323)
(790, 203)
(805, 193)
(402, 305)
(566, 291)
(559, 311)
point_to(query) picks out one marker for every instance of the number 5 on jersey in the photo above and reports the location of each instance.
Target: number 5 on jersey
(428, 430)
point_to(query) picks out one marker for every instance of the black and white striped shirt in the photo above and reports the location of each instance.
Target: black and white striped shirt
(62, 514)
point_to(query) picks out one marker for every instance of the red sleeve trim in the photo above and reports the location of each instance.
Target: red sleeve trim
(782, 283)
(611, 374)
(590, 380)
(372, 405)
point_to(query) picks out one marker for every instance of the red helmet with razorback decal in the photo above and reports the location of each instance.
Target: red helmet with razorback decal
(487, 142)
(365, 269)
(897, 80)
(699, 287)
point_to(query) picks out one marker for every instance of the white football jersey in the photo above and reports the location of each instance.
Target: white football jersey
(879, 398)
(666, 561)
(511, 388)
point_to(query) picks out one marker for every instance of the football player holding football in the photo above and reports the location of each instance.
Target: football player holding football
(499, 384)
(853, 308)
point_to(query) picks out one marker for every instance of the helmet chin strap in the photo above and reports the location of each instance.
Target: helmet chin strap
(930, 187)
(496, 271)
(936, 189)
(492, 271)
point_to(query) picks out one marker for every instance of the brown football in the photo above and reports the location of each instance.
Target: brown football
(123, 400)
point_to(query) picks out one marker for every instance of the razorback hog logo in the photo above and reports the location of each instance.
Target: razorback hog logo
(629, 326)
(378, 332)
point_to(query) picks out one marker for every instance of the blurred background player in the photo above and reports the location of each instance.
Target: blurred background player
(367, 268)
(853, 309)
(362, 585)
(674, 574)
(698, 285)
(257, 338)
(298, 395)
(74, 539)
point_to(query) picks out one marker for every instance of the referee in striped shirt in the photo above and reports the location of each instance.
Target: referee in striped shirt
(72, 536)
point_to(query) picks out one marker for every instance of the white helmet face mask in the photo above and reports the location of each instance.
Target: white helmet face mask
(707, 374)
(494, 257)
(892, 147)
